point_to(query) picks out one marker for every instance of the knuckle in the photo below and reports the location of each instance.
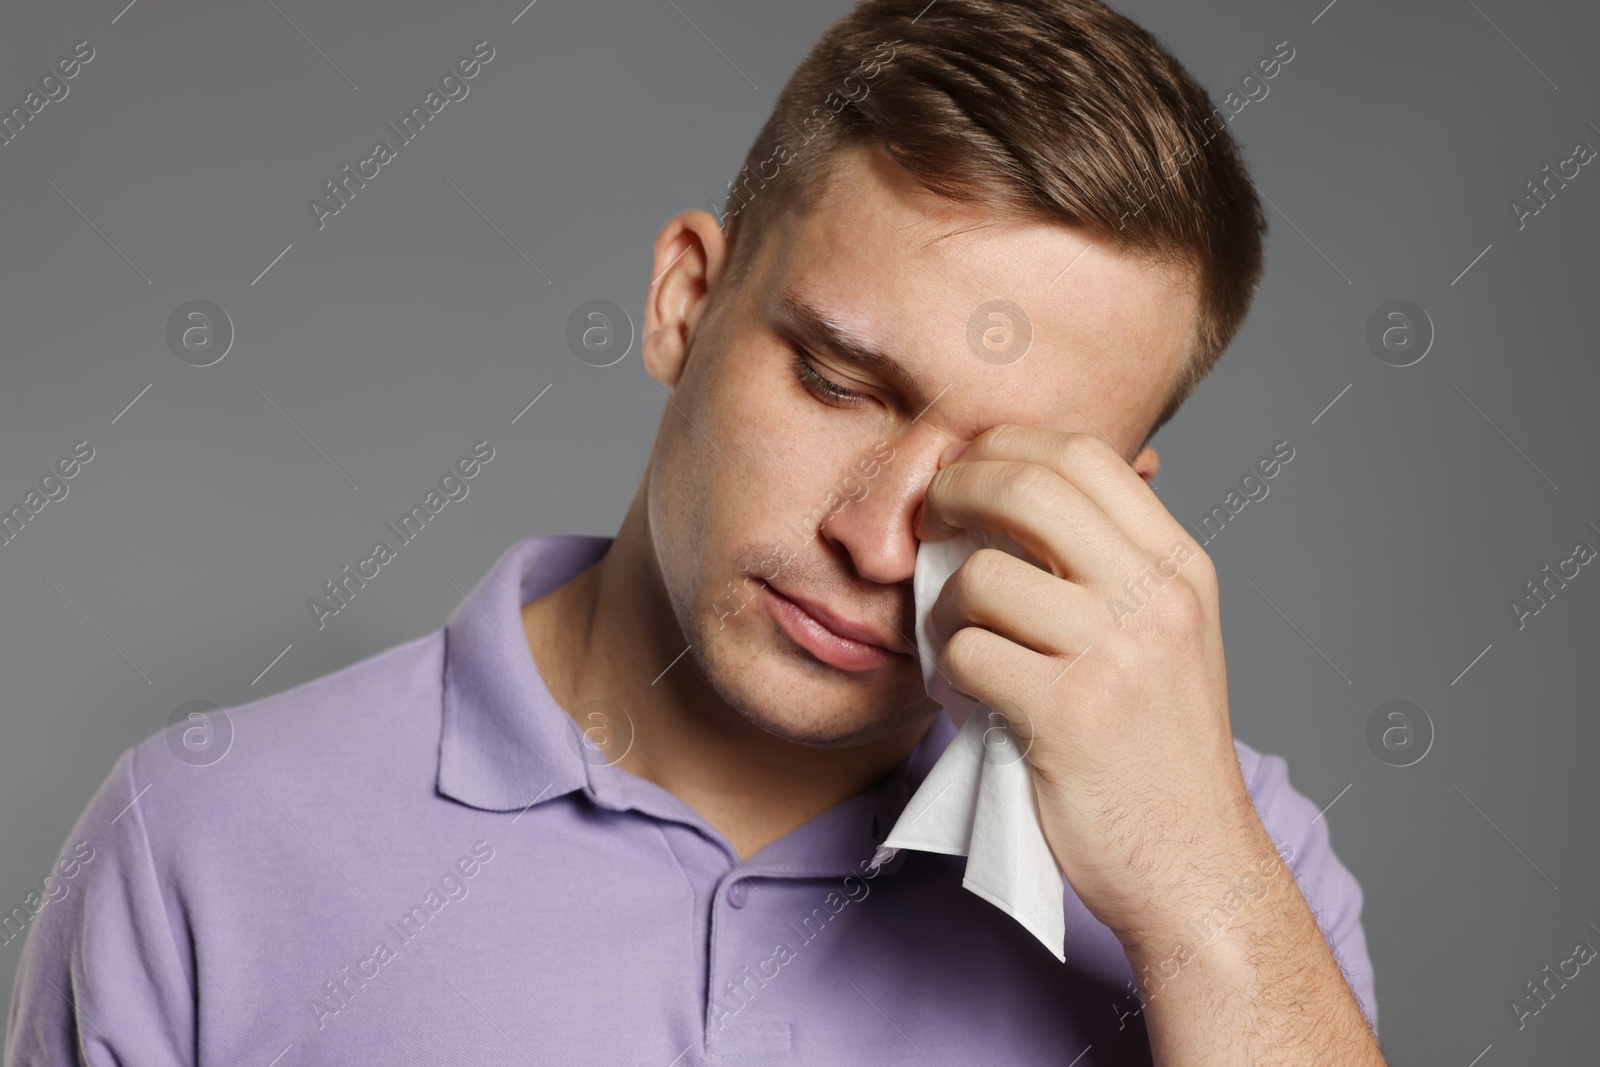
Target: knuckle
(1181, 610)
(1002, 438)
(1187, 559)
(1121, 657)
(1080, 451)
(979, 569)
(963, 650)
(1199, 563)
(959, 592)
(1109, 671)
(1027, 489)
(1200, 578)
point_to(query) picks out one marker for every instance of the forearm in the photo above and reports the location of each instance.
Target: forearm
(1261, 987)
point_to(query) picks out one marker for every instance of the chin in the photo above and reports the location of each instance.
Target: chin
(810, 704)
(811, 732)
(830, 734)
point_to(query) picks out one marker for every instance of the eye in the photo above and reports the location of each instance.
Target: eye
(829, 392)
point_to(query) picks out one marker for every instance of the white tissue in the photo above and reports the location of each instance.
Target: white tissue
(978, 799)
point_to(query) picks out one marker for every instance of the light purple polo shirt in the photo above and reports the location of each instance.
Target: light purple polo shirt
(410, 861)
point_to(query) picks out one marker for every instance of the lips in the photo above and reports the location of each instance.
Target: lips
(839, 642)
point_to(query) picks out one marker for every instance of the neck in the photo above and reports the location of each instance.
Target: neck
(610, 634)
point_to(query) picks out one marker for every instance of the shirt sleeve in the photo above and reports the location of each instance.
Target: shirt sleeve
(1334, 895)
(100, 982)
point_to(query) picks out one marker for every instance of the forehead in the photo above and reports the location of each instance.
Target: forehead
(916, 277)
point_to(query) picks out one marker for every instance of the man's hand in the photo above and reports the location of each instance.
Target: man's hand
(1107, 662)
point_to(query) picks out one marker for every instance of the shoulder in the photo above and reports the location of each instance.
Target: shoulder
(238, 802)
(371, 702)
(260, 808)
(351, 732)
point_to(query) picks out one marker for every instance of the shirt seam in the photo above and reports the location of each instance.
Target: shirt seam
(161, 901)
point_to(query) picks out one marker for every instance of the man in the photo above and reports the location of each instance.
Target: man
(981, 253)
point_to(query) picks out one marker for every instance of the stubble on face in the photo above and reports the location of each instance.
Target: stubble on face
(738, 650)
(742, 447)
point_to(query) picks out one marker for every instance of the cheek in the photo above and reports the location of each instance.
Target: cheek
(779, 443)
(678, 501)
(718, 460)
(747, 464)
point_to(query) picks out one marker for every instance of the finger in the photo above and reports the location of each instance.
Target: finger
(1013, 598)
(1096, 469)
(1047, 515)
(1000, 673)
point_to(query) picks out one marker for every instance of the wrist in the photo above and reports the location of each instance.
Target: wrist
(1236, 889)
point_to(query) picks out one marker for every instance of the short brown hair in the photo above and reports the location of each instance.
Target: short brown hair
(1062, 110)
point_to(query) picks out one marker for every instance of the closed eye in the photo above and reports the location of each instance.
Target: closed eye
(824, 389)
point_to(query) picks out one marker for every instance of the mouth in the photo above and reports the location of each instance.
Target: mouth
(835, 641)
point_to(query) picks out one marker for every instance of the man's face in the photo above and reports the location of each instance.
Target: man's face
(766, 492)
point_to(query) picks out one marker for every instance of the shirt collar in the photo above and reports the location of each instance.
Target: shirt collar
(507, 745)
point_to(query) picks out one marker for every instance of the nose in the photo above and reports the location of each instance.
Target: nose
(877, 529)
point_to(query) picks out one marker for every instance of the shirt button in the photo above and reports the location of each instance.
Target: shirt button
(738, 893)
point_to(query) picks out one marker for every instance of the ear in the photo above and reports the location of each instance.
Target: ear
(690, 252)
(1147, 463)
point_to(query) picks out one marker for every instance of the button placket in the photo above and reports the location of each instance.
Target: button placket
(740, 1023)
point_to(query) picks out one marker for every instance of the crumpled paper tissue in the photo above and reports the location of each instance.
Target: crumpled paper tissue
(978, 800)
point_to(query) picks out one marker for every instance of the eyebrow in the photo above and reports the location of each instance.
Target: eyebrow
(815, 326)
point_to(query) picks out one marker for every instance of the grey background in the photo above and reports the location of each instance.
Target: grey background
(1416, 506)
